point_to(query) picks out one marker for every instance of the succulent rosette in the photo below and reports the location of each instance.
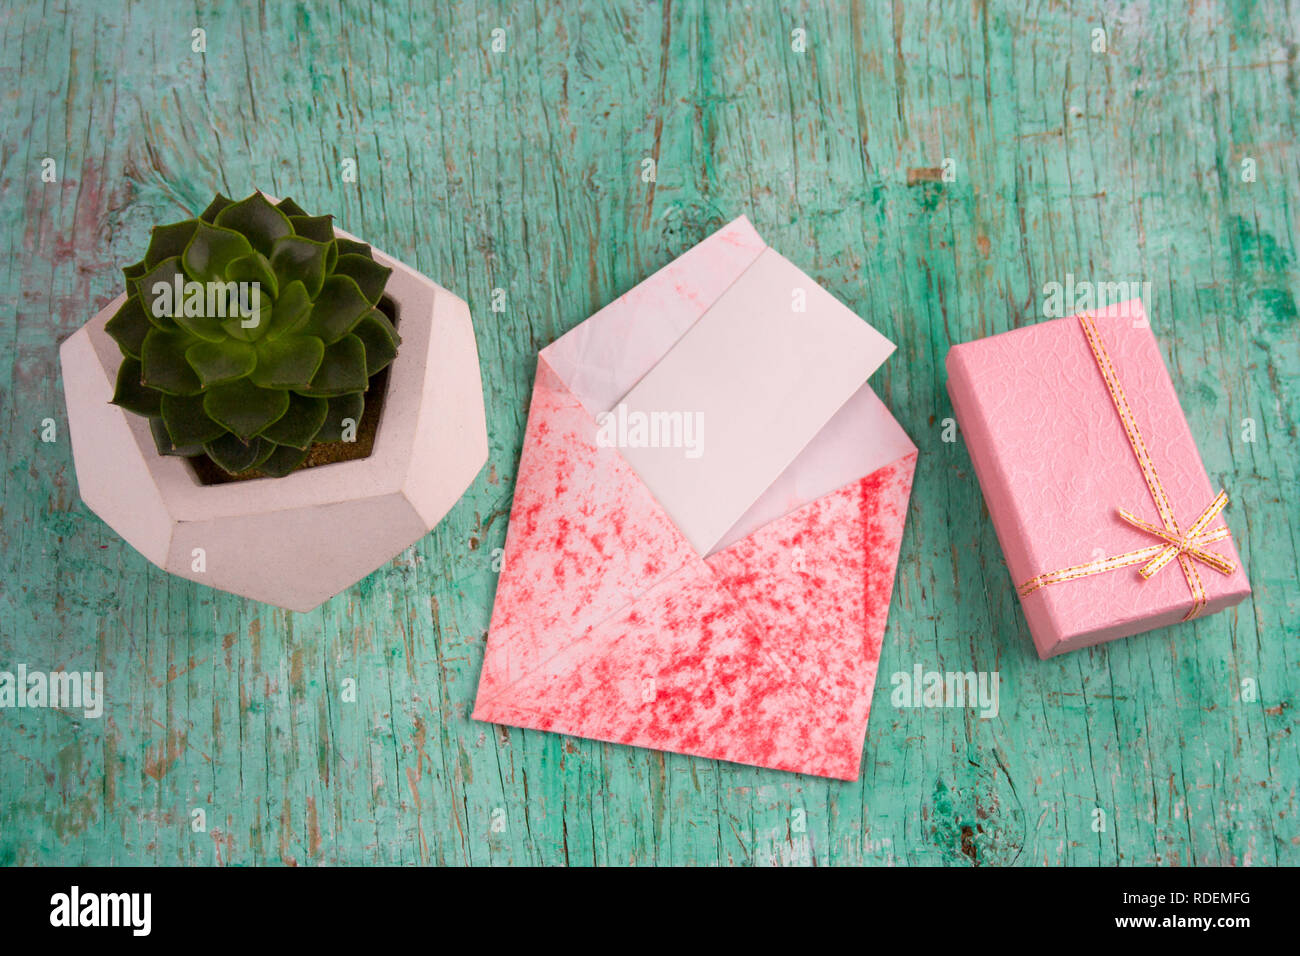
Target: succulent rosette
(250, 334)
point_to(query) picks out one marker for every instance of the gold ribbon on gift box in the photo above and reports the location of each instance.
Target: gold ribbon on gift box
(1187, 547)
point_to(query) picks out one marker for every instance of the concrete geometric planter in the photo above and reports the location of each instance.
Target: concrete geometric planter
(298, 540)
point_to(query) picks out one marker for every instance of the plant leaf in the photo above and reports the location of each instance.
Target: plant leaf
(319, 228)
(162, 358)
(342, 370)
(130, 392)
(299, 425)
(293, 257)
(268, 448)
(243, 408)
(168, 241)
(369, 275)
(351, 247)
(234, 456)
(258, 298)
(337, 309)
(205, 322)
(342, 408)
(131, 276)
(283, 460)
(290, 208)
(211, 249)
(290, 361)
(163, 442)
(218, 203)
(234, 326)
(187, 424)
(292, 309)
(224, 361)
(158, 303)
(380, 339)
(255, 268)
(257, 220)
(128, 327)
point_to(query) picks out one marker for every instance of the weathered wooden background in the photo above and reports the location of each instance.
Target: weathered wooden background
(521, 170)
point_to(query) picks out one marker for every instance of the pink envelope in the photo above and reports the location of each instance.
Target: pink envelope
(725, 599)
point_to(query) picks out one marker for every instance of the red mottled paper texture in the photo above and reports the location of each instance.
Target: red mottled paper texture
(608, 625)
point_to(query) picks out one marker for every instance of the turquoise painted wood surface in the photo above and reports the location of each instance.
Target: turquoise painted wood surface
(1167, 157)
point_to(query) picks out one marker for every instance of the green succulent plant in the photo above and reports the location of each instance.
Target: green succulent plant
(251, 388)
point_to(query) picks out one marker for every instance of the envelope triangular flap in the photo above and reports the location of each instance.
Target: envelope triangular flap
(861, 438)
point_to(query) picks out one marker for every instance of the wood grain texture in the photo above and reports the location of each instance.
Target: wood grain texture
(521, 170)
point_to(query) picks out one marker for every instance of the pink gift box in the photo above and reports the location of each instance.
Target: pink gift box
(1069, 423)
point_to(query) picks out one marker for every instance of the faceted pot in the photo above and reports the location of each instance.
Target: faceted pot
(298, 540)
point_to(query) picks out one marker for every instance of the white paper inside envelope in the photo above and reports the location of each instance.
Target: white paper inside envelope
(737, 392)
(753, 381)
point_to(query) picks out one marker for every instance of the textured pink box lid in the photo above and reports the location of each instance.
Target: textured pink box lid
(1055, 466)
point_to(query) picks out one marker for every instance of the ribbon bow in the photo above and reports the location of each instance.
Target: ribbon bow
(1186, 544)
(1185, 547)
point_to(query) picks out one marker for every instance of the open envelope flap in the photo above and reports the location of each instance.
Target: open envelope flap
(719, 318)
(609, 625)
(604, 356)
